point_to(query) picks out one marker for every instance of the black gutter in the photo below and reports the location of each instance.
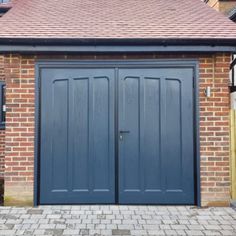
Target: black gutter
(117, 42)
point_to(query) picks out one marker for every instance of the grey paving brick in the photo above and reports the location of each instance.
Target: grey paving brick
(6, 226)
(101, 216)
(96, 232)
(105, 222)
(30, 221)
(84, 232)
(53, 216)
(100, 226)
(211, 232)
(34, 226)
(195, 227)
(138, 232)
(130, 222)
(156, 232)
(71, 232)
(183, 227)
(97, 221)
(106, 232)
(170, 222)
(171, 232)
(25, 226)
(47, 226)
(228, 232)
(226, 227)
(166, 227)
(76, 226)
(20, 232)
(7, 232)
(121, 232)
(111, 226)
(39, 232)
(35, 211)
(54, 232)
(212, 227)
(194, 232)
(61, 226)
(181, 232)
(124, 227)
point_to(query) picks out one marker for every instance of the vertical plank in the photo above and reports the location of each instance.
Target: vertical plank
(233, 152)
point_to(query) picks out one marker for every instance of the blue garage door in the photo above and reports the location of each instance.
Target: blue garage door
(116, 135)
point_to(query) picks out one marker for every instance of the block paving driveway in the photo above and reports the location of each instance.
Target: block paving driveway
(117, 220)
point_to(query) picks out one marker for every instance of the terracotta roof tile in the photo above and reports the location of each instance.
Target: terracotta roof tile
(115, 19)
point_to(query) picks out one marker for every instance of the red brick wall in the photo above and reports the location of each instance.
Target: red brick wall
(214, 128)
(19, 150)
(214, 123)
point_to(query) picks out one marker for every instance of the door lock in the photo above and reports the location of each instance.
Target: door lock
(123, 132)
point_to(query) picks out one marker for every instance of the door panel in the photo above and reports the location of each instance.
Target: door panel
(80, 111)
(151, 134)
(77, 136)
(60, 145)
(156, 156)
(131, 103)
(101, 134)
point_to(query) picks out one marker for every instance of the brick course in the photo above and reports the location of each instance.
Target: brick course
(214, 123)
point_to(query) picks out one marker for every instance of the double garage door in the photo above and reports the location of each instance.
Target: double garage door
(121, 134)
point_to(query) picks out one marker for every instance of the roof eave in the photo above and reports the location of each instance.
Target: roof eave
(116, 45)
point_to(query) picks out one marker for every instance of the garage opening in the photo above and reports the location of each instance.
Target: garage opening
(116, 134)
